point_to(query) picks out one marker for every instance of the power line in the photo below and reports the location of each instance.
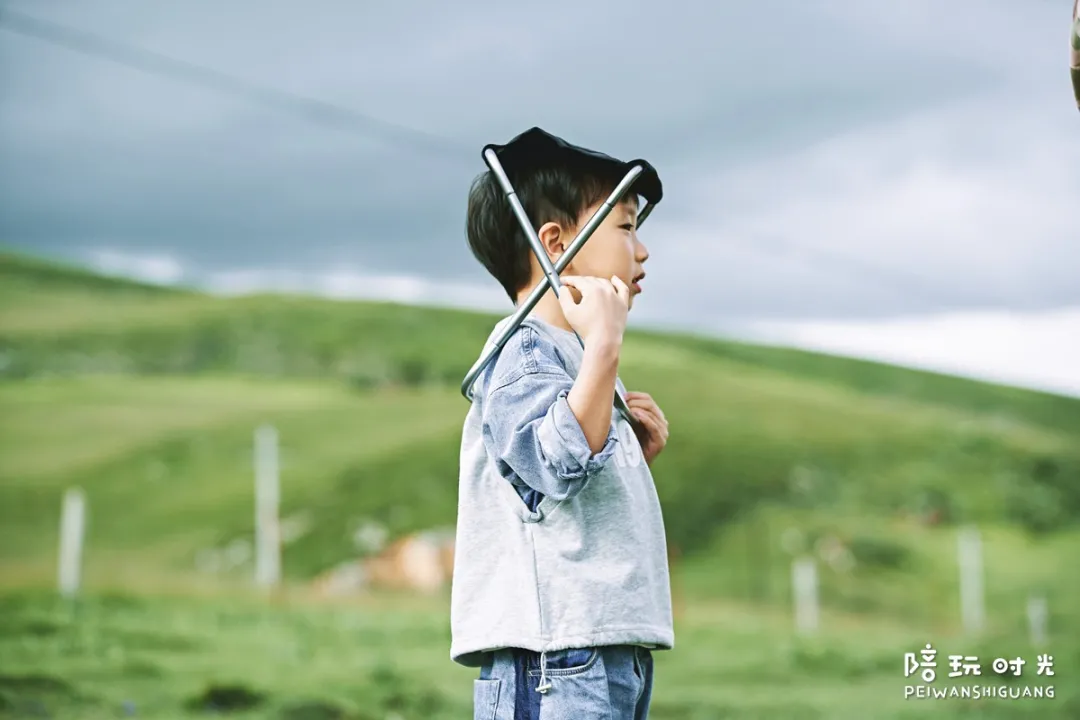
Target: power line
(87, 43)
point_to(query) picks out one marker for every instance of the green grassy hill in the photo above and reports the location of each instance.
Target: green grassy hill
(147, 398)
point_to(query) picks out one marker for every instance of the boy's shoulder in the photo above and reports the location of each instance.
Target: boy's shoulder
(531, 354)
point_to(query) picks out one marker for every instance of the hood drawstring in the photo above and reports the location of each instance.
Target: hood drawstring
(545, 683)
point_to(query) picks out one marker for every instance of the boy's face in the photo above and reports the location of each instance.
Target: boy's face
(613, 249)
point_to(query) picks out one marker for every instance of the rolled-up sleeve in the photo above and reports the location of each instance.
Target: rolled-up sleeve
(535, 438)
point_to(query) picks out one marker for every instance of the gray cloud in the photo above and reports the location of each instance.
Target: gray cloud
(819, 159)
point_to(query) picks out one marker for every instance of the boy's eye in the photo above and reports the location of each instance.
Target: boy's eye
(627, 226)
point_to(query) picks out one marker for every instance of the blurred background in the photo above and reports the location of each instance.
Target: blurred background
(236, 305)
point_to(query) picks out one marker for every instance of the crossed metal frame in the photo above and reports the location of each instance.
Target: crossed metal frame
(551, 271)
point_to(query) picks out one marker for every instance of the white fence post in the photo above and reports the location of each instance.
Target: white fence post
(805, 583)
(1037, 613)
(267, 493)
(72, 532)
(972, 607)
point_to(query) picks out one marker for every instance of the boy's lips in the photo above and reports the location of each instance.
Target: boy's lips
(635, 283)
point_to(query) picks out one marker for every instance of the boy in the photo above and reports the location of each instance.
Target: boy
(560, 586)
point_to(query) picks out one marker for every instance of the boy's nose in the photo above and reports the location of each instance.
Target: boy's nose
(642, 252)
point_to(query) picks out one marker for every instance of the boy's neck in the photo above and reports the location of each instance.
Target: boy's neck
(548, 309)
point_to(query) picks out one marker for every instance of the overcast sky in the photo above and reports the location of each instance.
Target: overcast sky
(897, 181)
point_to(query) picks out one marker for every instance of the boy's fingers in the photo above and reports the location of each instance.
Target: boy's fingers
(621, 289)
(574, 281)
(651, 424)
(644, 400)
(578, 286)
(569, 296)
(581, 283)
(645, 410)
(661, 422)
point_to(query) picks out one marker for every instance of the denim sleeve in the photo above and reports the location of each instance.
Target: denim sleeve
(531, 432)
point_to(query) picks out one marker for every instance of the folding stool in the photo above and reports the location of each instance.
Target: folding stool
(534, 146)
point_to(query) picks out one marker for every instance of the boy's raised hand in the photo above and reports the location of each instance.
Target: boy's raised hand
(599, 311)
(653, 434)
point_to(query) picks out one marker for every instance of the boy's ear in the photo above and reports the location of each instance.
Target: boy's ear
(552, 238)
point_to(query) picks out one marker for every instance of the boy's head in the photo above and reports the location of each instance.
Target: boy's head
(559, 193)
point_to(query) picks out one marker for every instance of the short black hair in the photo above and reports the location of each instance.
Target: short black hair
(557, 189)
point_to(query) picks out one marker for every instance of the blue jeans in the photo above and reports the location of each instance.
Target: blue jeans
(606, 683)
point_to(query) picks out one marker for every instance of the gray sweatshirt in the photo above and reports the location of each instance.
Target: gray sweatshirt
(586, 566)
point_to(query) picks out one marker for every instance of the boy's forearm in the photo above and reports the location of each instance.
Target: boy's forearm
(592, 397)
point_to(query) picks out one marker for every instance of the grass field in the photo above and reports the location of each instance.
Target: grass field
(147, 398)
(382, 657)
